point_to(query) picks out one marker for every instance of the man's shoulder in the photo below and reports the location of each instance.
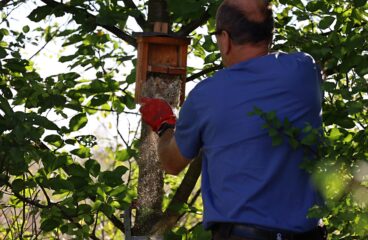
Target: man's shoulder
(301, 56)
(208, 83)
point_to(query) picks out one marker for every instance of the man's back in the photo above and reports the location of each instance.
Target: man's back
(244, 178)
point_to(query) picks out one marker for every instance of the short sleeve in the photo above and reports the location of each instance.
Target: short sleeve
(188, 130)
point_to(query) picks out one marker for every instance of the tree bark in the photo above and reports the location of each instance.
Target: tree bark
(150, 181)
(150, 220)
(171, 216)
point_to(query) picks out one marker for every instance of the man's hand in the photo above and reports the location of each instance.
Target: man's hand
(156, 112)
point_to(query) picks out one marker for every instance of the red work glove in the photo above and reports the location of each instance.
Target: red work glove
(156, 112)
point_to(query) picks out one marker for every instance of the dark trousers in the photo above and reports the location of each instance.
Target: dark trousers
(218, 236)
(228, 231)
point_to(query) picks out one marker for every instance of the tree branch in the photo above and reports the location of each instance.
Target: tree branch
(117, 223)
(120, 34)
(203, 72)
(181, 196)
(140, 17)
(49, 203)
(194, 24)
(74, 10)
(24, 199)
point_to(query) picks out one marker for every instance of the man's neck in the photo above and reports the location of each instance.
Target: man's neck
(242, 53)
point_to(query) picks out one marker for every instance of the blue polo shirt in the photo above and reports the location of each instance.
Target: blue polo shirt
(244, 178)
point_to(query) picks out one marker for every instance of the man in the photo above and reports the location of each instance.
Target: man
(250, 189)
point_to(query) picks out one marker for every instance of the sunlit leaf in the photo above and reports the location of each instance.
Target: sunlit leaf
(78, 121)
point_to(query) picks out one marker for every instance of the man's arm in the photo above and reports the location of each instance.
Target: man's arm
(157, 113)
(172, 161)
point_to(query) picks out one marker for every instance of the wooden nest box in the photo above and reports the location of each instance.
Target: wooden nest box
(161, 53)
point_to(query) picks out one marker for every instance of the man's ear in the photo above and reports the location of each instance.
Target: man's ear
(226, 42)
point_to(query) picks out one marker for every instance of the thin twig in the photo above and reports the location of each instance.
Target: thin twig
(192, 201)
(204, 72)
(8, 224)
(79, 11)
(43, 47)
(119, 133)
(95, 225)
(23, 213)
(25, 199)
(42, 189)
(11, 11)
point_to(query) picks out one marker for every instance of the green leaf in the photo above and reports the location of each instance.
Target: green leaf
(128, 100)
(58, 184)
(355, 107)
(277, 141)
(118, 191)
(18, 185)
(209, 45)
(335, 134)
(78, 121)
(5, 106)
(7, 92)
(76, 170)
(113, 178)
(122, 155)
(3, 32)
(3, 53)
(310, 139)
(345, 122)
(316, 5)
(329, 86)
(50, 224)
(84, 209)
(69, 58)
(294, 143)
(79, 183)
(52, 162)
(131, 77)
(326, 22)
(118, 106)
(359, 3)
(107, 209)
(89, 219)
(87, 140)
(41, 121)
(54, 140)
(199, 233)
(93, 167)
(40, 13)
(211, 58)
(3, 44)
(82, 152)
(273, 132)
(99, 100)
(256, 112)
(25, 29)
(348, 138)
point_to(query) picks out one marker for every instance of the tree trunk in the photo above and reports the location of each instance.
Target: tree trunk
(150, 182)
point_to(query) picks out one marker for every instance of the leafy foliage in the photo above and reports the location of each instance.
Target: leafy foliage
(53, 173)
